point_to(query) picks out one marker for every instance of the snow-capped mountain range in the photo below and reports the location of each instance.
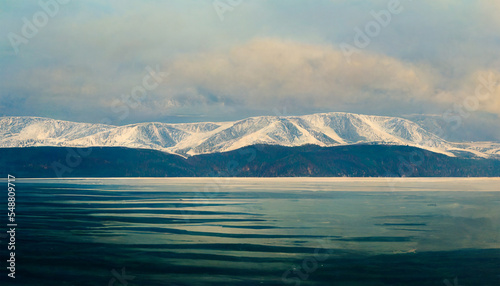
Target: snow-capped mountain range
(187, 139)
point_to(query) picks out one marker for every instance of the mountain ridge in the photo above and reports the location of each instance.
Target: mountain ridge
(189, 139)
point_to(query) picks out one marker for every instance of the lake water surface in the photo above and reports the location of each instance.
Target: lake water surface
(287, 231)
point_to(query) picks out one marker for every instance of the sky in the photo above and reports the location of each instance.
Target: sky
(123, 62)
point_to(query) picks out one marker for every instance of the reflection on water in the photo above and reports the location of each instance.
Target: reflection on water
(258, 232)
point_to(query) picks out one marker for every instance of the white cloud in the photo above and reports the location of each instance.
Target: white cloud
(265, 71)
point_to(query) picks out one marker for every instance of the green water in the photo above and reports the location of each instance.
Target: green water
(217, 231)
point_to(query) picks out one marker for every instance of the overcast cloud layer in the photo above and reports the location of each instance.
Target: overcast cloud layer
(185, 61)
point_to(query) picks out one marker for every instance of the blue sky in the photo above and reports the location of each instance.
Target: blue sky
(227, 60)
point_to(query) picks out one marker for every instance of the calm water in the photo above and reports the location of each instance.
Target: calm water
(257, 232)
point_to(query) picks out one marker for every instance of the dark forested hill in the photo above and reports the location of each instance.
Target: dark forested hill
(251, 161)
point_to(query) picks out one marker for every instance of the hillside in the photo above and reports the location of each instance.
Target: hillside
(251, 161)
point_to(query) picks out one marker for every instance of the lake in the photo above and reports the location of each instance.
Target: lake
(286, 231)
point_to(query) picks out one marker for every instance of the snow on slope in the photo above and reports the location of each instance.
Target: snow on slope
(324, 129)
(37, 131)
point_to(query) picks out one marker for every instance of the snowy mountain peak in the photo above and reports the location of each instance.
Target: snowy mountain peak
(323, 129)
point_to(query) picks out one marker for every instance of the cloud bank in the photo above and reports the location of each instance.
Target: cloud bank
(264, 58)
